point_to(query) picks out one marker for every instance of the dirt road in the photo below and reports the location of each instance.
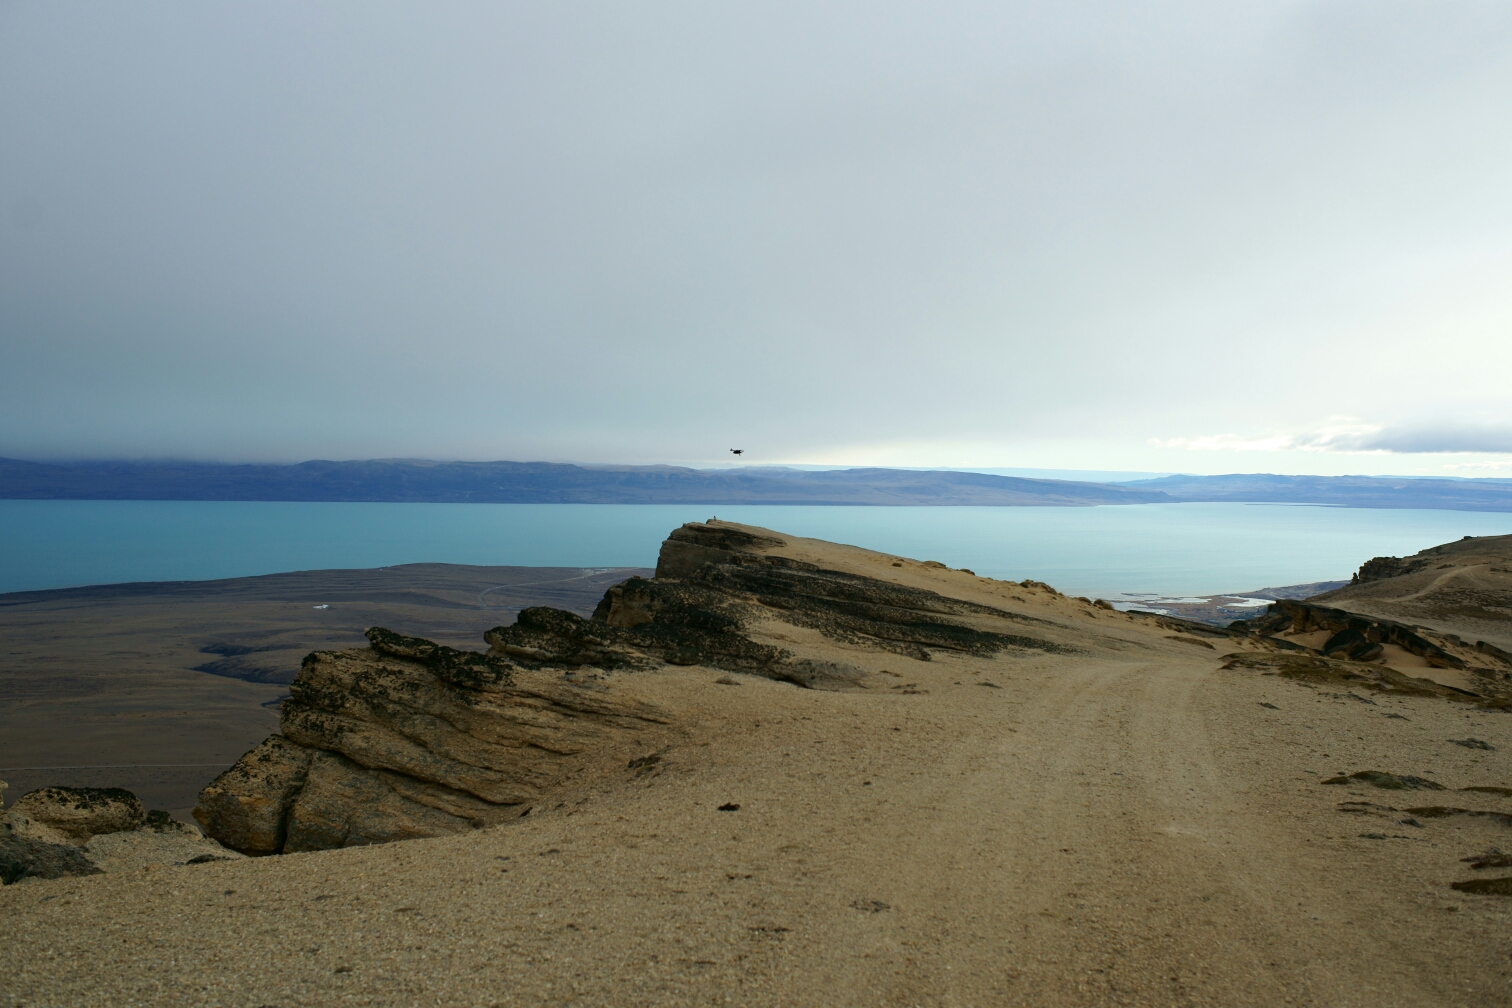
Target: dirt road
(1079, 833)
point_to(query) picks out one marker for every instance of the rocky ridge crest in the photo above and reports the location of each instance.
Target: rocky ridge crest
(407, 738)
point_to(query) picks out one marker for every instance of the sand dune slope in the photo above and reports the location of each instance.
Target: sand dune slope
(1130, 825)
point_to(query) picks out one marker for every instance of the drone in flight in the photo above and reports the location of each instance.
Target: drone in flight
(737, 451)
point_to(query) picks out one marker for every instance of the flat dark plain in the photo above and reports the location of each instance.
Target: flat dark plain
(158, 686)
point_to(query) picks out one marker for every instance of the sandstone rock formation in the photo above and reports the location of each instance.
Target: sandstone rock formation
(80, 813)
(58, 831)
(407, 738)
(410, 739)
(1351, 636)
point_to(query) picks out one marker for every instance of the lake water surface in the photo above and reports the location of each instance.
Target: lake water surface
(1164, 548)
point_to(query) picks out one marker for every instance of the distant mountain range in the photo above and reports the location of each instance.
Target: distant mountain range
(1344, 491)
(411, 480)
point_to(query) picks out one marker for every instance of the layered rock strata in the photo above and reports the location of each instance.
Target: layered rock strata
(1351, 636)
(407, 738)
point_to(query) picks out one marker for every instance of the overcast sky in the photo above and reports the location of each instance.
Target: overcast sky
(1167, 236)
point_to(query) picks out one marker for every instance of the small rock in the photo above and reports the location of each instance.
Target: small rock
(725, 680)
(1392, 782)
(729, 807)
(1270, 705)
(870, 906)
(1493, 858)
(1473, 743)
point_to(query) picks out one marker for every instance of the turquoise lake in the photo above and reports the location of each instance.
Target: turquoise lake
(1164, 548)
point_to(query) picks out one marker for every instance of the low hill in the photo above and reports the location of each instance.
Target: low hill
(1463, 587)
(411, 480)
(1342, 491)
(424, 481)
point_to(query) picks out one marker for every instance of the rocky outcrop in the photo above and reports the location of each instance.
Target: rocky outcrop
(58, 831)
(714, 584)
(1358, 637)
(24, 857)
(1381, 568)
(76, 814)
(408, 738)
(246, 807)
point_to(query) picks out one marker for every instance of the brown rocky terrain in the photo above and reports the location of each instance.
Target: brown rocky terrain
(790, 772)
(1462, 588)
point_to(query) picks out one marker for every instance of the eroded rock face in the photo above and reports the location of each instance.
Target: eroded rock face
(344, 804)
(1352, 636)
(410, 739)
(246, 807)
(712, 587)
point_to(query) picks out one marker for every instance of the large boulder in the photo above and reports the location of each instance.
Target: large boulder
(246, 807)
(80, 813)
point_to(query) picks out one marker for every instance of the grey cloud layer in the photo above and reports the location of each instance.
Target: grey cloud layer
(1440, 439)
(637, 233)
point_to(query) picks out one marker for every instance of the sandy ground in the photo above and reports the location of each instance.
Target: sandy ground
(1129, 826)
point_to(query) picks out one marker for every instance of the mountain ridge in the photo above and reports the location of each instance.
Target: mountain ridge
(509, 482)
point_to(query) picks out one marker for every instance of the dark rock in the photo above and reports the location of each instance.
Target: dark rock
(1491, 859)
(1382, 568)
(1391, 782)
(699, 617)
(24, 857)
(1485, 887)
(696, 543)
(1353, 636)
(1473, 743)
(1446, 812)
